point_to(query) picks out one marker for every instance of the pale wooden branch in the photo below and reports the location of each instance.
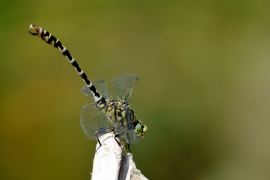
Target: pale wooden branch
(110, 163)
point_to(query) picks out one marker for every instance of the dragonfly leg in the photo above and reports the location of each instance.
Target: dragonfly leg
(116, 136)
(101, 131)
(128, 147)
(127, 142)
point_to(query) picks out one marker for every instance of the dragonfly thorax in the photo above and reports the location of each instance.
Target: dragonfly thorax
(120, 114)
(123, 118)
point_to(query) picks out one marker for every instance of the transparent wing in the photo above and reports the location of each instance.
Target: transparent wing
(132, 136)
(91, 119)
(123, 85)
(101, 88)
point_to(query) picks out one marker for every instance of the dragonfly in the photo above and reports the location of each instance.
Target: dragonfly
(105, 114)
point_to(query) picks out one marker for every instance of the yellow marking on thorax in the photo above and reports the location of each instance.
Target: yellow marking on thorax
(117, 116)
(109, 108)
(125, 123)
(123, 114)
(112, 114)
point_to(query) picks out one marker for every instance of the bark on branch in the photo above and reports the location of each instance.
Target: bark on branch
(110, 163)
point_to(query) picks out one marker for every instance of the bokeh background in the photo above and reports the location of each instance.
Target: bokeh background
(203, 90)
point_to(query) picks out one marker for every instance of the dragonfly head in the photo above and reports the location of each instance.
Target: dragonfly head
(140, 129)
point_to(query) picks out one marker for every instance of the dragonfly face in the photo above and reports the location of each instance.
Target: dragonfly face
(140, 129)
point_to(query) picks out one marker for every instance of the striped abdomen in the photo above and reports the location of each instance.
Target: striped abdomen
(52, 40)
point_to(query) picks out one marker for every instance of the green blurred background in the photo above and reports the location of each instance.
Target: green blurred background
(203, 90)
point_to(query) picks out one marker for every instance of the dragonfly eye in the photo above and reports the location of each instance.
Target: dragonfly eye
(140, 129)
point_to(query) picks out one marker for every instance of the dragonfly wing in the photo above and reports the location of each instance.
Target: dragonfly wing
(101, 88)
(91, 119)
(123, 84)
(132, 136)
(86, 91)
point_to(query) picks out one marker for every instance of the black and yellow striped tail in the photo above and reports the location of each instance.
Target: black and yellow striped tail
(52, 40)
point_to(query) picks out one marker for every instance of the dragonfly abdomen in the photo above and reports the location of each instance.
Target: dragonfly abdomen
(52, 40)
